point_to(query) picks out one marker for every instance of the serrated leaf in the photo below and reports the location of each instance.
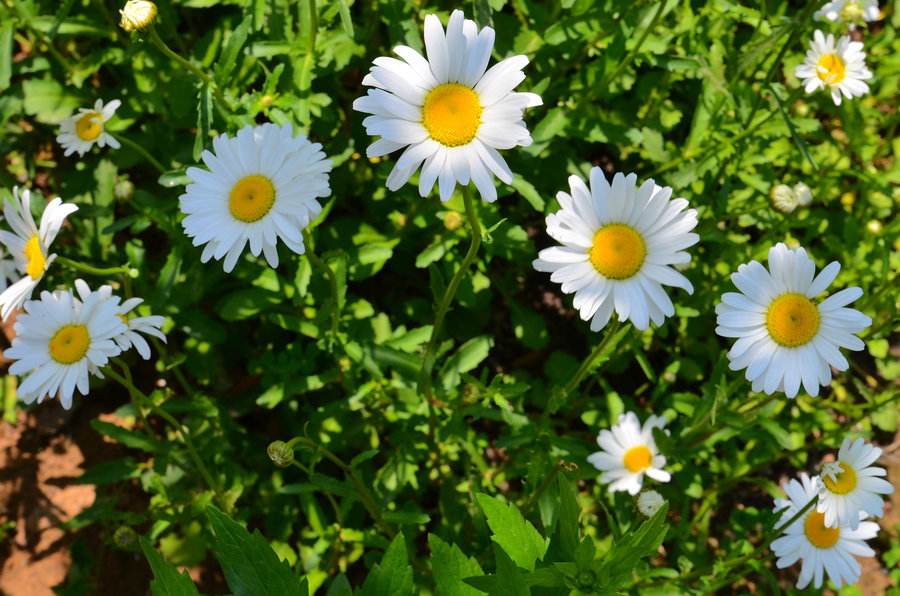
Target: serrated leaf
(394, 575)
(250, 565)
(450, 567)
(625, 554)
(231, 52)
(167, 581)
(521, 541)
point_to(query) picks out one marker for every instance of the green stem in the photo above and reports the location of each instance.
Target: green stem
(543, 486)
(91, 270)
(143, 152)
(444, 305)
(332, 280)
(365, 495)
(141, 399)
(626, 61)
(592, 357)
(313, 26)
(196, 71)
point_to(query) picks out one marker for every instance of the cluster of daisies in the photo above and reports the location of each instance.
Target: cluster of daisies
(63, 337)
(839, 66)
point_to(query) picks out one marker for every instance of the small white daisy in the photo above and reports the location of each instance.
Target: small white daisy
(839, 68)
(628, 451)
(261, 186)
(820, 549)
(619, 243)
(449, 111)
(29, 245)
(783, 337)
(131, 337)
(852, 12)
(852, 485)
(78, 133)
(60, 341)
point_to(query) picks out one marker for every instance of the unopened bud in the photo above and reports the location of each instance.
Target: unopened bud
(453, 220)
(783, 198)
(803, 194)
(280, 453)
(125, 538)
(137, 15)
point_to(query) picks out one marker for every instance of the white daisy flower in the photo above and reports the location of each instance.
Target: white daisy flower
(819, 548)
(619, 243)
(60, 341)
(852, 485)
(78, 133)
(783, 337)
(134, 326)
(628, 452)
(852, 12)
(261, 186)
(839, 68)
(448, 111)
(29, 245)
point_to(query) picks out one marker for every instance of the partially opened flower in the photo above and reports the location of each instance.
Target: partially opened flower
(784, 338)
(619, 243)
(820, 549)
(851, 485)
(449, 111)
(839, 68)
(137, 15)
(628, 452)
(261, 187)
(78, 133)
(60, 341)
(134, 326)
(852, 12)
(29, 245)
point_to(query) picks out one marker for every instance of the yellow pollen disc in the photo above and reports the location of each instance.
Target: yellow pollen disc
(618, 251)
(792, 320)
(844, 482)
(70, 344)
(89, 126)
(452, 114)
(637, 458)
(251, 198)
(831, 69)
(817, 533)
(34, 258)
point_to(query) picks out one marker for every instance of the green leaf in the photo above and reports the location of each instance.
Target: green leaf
(250, 565)
(167, 581)
(230, 53)
(6, 47)
(508, 581)
(621, 559)
(61, 15)
(48, 101)
(126, 437)
(346, 21)
(528, 192)
(393, 576)
(450, 566)
(204, 118)
(469, 355)
(521, 541)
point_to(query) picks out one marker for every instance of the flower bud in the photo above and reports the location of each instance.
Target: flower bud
(280, 453)
(783, 198)
(137, 15)
(649, 502)
(125, 538)
(452, 220)
(123, 189)
(803, 194)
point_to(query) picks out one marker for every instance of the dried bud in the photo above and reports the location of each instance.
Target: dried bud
(280, 453)
(137, 15)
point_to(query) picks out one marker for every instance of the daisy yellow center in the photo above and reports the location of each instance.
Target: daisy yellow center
(637, 458)
(89, 126)
(818, 533)
(452, 114)
(792, 320)
(842, 483)
(617, 251)
(35, 262)
(251, 198)
(69, 344)
(830, 69)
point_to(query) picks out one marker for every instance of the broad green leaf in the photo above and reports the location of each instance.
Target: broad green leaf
(521, 541)
(450, 566)
(48, 101)
(167, 581)
(251, 566)
(393, 576)
(469, 355)
(625, 554)
(126, 437)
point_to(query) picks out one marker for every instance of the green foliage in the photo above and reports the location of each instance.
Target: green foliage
(482, 487)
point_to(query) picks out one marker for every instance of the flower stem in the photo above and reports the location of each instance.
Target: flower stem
(317, 262)
(143, 152)
(444, 305)
(623, 64)
(585, 367)
(142, 400)
(365, 495)
(91, 270)
(196, 71)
